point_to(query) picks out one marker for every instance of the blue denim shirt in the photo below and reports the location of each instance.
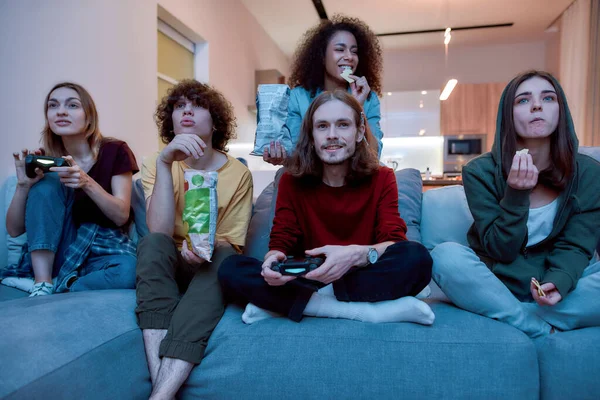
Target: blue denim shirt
(300, 100)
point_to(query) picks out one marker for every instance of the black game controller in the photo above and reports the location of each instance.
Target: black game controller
(44, 163)
(297, 266)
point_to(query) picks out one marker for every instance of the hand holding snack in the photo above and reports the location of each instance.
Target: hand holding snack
(540, 291)
(523, 173)
(550, 297)
(181, 147)
(273, 138)
(360, 88)
(274, 153)
(346, 74)
(189, 255)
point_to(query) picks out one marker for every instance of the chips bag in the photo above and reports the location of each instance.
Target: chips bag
(272, 106)
(200, 212)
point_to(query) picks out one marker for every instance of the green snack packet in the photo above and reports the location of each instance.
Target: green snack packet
(200, 212)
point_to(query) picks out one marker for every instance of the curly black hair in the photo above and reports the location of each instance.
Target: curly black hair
(221, 111)
(308, 66)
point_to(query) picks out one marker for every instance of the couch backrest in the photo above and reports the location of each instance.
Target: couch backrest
(445, 216)
(12, 249)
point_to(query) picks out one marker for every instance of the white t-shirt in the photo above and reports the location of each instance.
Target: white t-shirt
(540, 222)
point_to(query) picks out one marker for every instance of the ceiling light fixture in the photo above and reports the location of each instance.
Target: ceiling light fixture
(447, 36)
(448, 89)
(424, 92)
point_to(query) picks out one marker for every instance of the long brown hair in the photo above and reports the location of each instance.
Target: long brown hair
(562, 140)
(53, 144)
(308, 66)
(305, 162)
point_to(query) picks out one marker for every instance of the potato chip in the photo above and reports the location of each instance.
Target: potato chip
(539, 287)
(345, 74)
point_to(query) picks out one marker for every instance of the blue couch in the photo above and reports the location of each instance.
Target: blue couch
(88, 345)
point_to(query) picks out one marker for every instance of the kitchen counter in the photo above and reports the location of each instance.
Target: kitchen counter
(438, 183)
(441, 182)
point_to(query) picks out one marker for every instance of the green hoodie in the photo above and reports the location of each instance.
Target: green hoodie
(499, 232)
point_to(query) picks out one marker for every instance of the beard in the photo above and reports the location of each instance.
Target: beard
(343, 154)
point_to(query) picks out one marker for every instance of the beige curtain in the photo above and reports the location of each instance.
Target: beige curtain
(574, 61)
(592, 115)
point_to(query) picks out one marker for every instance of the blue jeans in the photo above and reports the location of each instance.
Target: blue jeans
(49, 225)
(470, 284)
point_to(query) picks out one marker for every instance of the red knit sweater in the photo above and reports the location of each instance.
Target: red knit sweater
(311, 214)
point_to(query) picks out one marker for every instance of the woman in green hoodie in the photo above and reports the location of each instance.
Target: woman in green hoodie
(536, 208)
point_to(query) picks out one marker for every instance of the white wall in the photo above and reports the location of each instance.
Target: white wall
(238, 46)
(107, 46)
(425, 69)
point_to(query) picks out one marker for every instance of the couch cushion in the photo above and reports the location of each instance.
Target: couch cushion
(410, 187)
(11, 293)
(593, 152)
(84, 345)
(569, 364)
(257, 238)
(138, 205)
(445, 216)
(13, 245)
(461, 355)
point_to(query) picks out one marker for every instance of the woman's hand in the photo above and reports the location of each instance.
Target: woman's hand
(551, 294)
(523, 173)
(360, 89)
(22, 179)
(275, 153)
(72, 176)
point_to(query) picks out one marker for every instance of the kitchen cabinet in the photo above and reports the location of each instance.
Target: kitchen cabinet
(471, 109)
(494, 94)
(465, 111)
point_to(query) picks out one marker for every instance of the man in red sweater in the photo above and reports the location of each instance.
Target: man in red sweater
(336, 202)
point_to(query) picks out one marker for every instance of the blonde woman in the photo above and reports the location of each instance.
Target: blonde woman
(74, 214)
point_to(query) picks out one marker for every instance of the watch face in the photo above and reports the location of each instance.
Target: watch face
(373, 256)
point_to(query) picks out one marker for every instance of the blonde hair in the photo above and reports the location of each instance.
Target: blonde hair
(53, 144)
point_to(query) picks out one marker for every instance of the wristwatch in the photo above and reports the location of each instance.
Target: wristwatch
(372, 256)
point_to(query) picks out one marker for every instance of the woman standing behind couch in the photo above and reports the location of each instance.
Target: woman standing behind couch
(325, 51)
(74, 215)
(536, 217)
